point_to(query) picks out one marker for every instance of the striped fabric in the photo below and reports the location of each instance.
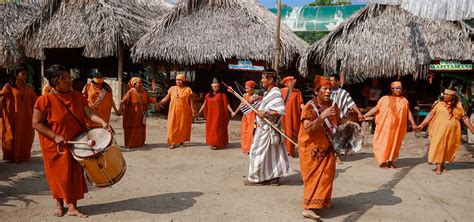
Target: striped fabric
(329, 127)
(268, 161)
(343, 100)
(246, 109)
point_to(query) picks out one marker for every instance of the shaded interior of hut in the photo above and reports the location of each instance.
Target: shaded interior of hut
(420, 93)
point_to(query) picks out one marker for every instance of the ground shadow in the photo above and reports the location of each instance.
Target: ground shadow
(355, 206)
(156, 204)
(469, 148)
(458, 166)
(292, 180)
(409, 162)
(13, 190)
(146, 147)
(151, 146)
(233, 145)
(356, 157)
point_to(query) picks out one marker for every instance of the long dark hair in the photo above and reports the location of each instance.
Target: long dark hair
(16, 72)
(212, 94)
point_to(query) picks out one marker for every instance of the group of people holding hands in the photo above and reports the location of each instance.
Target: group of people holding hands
(61, 114)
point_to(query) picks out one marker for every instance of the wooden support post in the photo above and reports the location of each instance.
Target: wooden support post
(121, 59)
(276, 63)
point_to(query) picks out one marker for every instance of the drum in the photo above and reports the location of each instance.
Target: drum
(103, 163)
(348, 138)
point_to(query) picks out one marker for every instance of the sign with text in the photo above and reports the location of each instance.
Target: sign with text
(245, 65)
(450, 65)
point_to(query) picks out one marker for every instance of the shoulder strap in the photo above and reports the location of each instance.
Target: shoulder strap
(70, 112)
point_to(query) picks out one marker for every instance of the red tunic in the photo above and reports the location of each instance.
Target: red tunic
(17, 130)
(136, 103)
(291, 120)
(64, 174)
(217, 119)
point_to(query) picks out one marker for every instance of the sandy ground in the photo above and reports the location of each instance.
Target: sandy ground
(196, 183)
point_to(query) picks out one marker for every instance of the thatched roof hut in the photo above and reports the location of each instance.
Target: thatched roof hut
(98, 26)
(453, 10)
(14, 17)
(211, 31)
(386, 41)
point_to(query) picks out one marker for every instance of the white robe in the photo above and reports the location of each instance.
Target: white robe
(268, 161)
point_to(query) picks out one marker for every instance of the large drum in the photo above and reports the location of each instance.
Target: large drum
(103, 163)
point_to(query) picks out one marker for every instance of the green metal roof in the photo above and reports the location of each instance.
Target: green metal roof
(321, 18)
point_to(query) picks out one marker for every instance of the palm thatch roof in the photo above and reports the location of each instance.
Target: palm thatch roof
(210, 31)
(95, 25)
(13, 17)
(453, 10)
(386, 41)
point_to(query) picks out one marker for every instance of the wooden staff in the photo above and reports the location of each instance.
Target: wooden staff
(264, 119)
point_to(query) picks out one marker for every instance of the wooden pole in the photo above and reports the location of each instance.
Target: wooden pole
(276, 63)
(121, 58)
(43, 82)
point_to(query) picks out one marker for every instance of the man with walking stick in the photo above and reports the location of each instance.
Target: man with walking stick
(268, 156)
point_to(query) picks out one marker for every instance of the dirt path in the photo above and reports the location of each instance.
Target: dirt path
(196, 183)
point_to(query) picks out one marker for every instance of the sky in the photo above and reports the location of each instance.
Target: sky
(271, 3)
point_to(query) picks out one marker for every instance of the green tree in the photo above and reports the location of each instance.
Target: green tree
(330, 2)
(311, 37)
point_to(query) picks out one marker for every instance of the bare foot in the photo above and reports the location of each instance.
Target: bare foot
(214, 148)
(58, 212)
(77, 213)
(310, 214)
(172, 146)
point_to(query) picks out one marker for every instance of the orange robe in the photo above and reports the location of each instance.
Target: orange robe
(217, 120)
(445, 133)
(103, 109)
(64, 174)
(180, 115)
(247, 127)
(391, 127)
(17, 131)
(135, 106)
(317, 163)
(291, 120)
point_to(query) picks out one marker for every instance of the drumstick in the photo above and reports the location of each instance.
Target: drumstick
(89, 142)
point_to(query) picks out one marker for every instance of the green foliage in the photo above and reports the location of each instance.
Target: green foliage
(311, 37)
(470, 22)
(330, 2)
